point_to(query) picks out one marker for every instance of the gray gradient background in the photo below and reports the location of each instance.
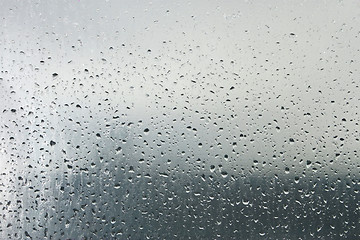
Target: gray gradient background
(251, 106)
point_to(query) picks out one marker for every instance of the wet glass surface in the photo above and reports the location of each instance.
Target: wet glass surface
(179, 119)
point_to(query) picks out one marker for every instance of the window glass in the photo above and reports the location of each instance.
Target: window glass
(179, 119)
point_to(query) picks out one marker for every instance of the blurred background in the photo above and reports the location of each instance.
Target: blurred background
(179, 119)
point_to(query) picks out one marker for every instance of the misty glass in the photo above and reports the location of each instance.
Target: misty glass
(179, 119)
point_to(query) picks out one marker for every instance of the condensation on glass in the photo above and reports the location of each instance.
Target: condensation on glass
(179, 119)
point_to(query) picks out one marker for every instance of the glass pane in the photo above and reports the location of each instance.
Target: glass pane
(179, 119)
